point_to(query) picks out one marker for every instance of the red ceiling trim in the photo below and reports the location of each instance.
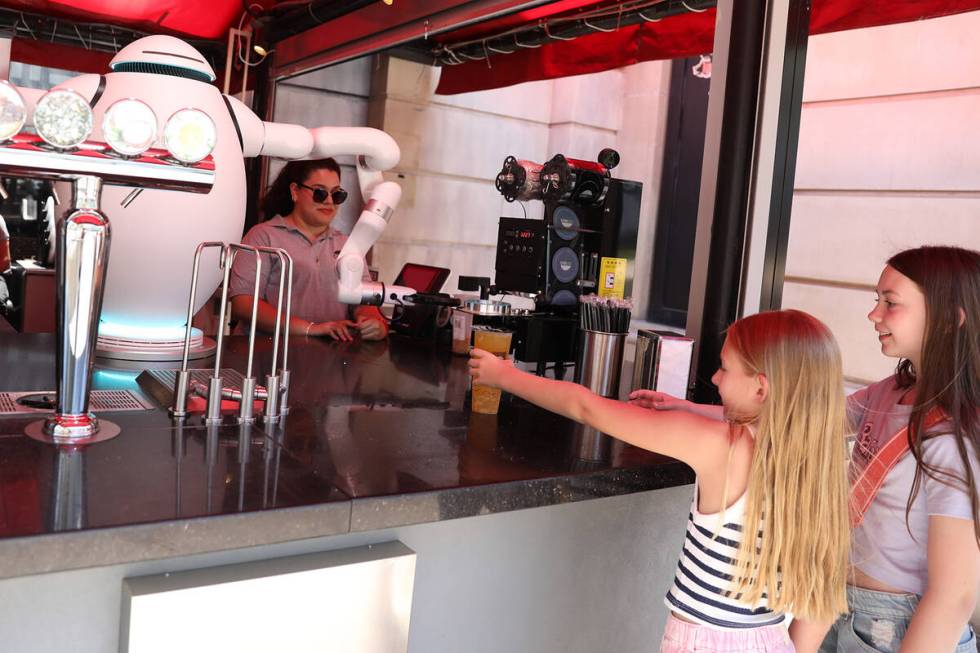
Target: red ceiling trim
(189, 18)
(56, 55)
(80, 60)
(379, 27)
(674, 37)
(528, 16)
(678, 36)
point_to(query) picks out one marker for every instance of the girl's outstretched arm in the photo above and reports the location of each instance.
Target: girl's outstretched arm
(698, 441)
(951, 592)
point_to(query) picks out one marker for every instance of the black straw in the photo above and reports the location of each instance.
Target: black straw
(608, 315)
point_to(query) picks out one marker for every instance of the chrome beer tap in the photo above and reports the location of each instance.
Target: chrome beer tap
(62, 151)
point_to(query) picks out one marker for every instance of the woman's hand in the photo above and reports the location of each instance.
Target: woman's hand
(371, 328)
(487, 369)
(338, 330)
(656, 400)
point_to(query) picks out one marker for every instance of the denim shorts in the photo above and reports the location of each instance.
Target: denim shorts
(877, 623)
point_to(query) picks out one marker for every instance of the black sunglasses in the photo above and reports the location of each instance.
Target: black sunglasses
(338, 196)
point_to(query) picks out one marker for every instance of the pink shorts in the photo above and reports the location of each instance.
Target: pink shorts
(683, 637)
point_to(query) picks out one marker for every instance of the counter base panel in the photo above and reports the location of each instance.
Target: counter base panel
(572, 578)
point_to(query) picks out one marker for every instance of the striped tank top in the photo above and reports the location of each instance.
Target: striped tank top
(705, 570)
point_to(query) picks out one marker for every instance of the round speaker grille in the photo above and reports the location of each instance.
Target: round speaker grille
(564, 265)
(566, 222)
(563, 297)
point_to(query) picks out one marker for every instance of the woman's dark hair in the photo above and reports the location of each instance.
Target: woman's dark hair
(949, 377)
(278, 200)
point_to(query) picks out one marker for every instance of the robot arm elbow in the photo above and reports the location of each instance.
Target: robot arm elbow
(378, 150)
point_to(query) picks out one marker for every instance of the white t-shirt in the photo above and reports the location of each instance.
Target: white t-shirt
(883, 547)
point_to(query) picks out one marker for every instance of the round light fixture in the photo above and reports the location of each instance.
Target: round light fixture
(190, 135)
(13, 112)
(63, 118)
(129, 126)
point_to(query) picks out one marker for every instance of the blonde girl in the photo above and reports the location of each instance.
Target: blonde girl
(773, 468)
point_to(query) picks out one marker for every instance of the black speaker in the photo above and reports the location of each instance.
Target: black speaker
(558, 258)
(564, 254)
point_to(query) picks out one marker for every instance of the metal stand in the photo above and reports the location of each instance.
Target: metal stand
(277, 381)
(83, 257)
(179, 408)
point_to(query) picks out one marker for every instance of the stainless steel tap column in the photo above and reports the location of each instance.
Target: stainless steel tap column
(82, 261)
(83, 255)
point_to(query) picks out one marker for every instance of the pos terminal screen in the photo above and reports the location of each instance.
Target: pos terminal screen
(422, 278)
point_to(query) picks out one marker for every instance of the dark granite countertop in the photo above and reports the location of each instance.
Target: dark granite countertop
(378, 435)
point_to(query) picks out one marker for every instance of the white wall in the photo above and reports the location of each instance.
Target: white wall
(889, 158)
(452, 148)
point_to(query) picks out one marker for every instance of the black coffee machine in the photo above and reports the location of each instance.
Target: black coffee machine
(588, 215)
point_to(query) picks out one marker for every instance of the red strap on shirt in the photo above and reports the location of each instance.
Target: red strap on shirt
(865, 488)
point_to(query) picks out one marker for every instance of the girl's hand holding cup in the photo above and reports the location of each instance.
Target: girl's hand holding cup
(486, 368)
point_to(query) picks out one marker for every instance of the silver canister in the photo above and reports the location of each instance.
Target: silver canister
(598, 368)
(662, 362)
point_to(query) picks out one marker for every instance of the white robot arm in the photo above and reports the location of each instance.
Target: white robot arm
(376, 151)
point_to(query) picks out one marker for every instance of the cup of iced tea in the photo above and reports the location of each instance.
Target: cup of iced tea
(486, 400)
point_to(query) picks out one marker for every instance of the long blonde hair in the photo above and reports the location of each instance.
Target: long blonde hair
(797, 493)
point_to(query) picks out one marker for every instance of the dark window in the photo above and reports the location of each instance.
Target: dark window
(680, 184)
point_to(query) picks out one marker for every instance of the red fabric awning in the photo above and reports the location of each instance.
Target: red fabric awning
(670, 38)
(190, 18)
(55, 55)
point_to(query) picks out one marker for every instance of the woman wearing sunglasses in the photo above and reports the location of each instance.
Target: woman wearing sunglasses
(303, 201)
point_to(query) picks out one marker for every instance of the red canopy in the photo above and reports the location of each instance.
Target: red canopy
(674, 37)
(189, 18)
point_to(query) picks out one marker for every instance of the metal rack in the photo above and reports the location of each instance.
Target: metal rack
(277, 380)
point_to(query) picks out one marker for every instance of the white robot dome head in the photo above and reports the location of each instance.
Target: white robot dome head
(163, 55)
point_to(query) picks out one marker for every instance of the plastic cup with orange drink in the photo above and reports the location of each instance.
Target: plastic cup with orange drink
(486, 400)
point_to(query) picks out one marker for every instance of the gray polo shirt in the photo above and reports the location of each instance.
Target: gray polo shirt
(314, 270)
(882, 546)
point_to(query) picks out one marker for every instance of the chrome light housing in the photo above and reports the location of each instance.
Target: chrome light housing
(190, 135)
(13, 111)
(63, 118)
(129, 126)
